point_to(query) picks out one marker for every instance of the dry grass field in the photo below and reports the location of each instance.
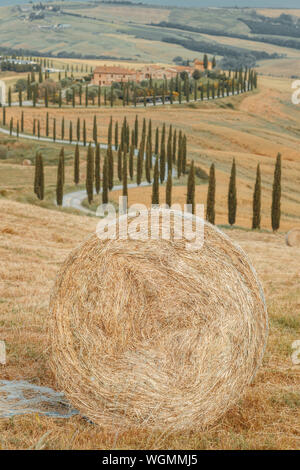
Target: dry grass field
(35, 240)
(33, 244)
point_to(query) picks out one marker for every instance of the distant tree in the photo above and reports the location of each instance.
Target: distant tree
(62, 158)
(78, 130)
(76, 165)
(205, 62)
(20, 99)
(232, 196)
(211, 194)
(184, 154)
(4, 116)
(71, 132)
(276, 195)
(190, 198)
(257, 201)
(214, 63)
(54, 129)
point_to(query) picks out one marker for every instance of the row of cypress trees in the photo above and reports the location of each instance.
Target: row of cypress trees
(125, 165)
(256, 204)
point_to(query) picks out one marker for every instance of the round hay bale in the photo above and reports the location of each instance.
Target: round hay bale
(292, 238)
(26, 162)
(148, 333)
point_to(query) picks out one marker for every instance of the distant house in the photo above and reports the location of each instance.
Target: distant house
(106, 75)
(199, 65)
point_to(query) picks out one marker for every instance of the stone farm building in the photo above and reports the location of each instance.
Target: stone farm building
(106, 75)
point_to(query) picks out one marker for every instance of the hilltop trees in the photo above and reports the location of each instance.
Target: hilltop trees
(276, 195)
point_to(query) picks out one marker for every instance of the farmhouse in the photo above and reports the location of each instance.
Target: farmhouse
(104, 75)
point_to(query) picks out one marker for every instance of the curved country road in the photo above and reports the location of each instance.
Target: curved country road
(75, 198)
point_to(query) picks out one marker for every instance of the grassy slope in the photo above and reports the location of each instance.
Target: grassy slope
(33, 243)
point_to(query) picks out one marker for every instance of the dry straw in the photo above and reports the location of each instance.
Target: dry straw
(150, 334)
(293, 237)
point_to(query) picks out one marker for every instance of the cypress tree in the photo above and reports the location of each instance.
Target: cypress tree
(60, 99)
(110, 161)
(20, 99)
(34, 127)
(163, 155)
(174, 146)
(39, 128)
(4, 116)
(120, 164)
(109, 138)
(95, 131)
(156, 151)
(36, 174)
(84, 133)
(78, 130)
(97, 169)
(211, 193)
(105, 181)
(59, 182)
(76, 165)
(62, 158)
(18, 129)
(190, 198)
(9, 96)
(63, 128)
(155, 184)
(183, 154)
(89, 184)
(41, 178)
(139, 168)
(47, 125)
(136, 130)
(124, 170)
(257, 201)
(131, 155)
(54, 129)
(11, 124)
(179, 155)
(71, 132)
(116, 135)
(73, 98)
(232, 196)
(147, 162)
(86, 97)
(169, 189)
(276, 195)
(46, 98)
(99, 96)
